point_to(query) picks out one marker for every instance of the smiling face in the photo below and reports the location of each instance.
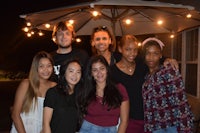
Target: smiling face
(129, 51)
(73, 74)
(101, 41)
(64, 38)
(45, 68)
(128, 47)
(99, 72)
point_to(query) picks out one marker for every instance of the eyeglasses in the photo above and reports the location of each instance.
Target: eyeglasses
(101, 28)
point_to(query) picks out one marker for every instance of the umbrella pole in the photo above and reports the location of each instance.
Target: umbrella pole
(113, 27)
(114, 35)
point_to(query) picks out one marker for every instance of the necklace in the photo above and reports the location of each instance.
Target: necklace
(129, 69)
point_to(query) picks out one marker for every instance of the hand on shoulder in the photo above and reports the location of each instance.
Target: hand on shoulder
(172, 62)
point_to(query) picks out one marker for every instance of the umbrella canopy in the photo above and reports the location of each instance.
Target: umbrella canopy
(143, 14)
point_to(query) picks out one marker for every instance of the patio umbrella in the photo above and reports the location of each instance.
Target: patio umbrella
(144, 15)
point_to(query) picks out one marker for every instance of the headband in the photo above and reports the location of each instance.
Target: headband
(161, 44)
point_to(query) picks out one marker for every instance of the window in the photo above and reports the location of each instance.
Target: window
(186, 50)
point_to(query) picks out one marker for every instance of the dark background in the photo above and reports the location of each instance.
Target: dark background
(16, 49)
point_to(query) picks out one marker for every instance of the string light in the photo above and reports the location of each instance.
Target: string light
(159, 22)
(40, 33)
(29, 34)
(139, 44)
(128, 21)
(78, 40)
(47, 26)
(71, 21)
(32, 32)
(188, 15)
(172, 36)
(28, 23)
(25, 29)
(95, 13)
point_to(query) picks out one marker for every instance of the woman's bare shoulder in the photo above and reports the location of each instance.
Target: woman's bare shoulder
(52, 84)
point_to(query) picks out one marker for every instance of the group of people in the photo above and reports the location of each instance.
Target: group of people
(111, 92)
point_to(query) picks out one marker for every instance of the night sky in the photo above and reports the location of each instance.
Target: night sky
(17, 50)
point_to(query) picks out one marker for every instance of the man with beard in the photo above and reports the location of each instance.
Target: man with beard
(63, 35)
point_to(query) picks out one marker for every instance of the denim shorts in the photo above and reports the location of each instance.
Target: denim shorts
(167, 130)
(88, 127)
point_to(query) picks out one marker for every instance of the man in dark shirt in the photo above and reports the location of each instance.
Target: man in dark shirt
(63, 35)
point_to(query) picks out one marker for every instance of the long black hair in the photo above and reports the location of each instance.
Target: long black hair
(112, 97)
(62, 83)
(63, 87)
